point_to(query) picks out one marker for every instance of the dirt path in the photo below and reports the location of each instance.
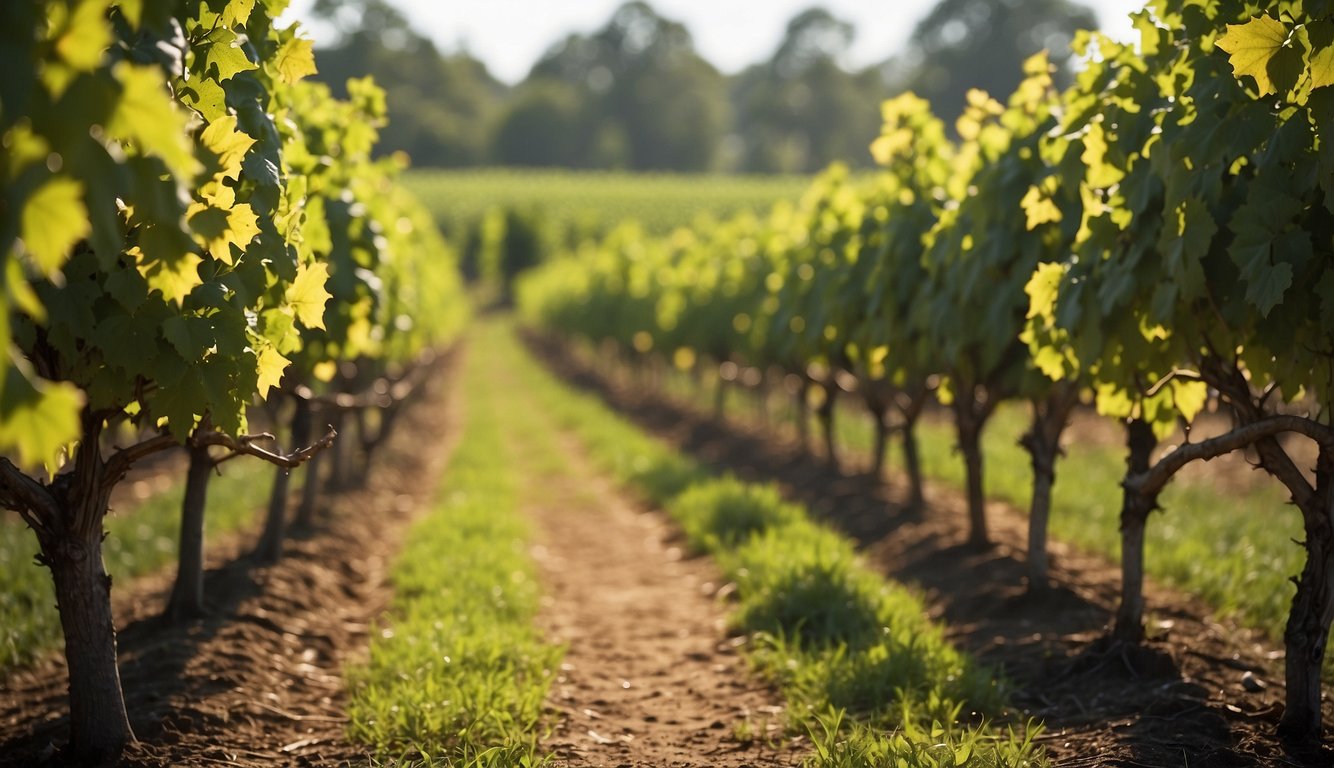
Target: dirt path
(258, 683)
(1182, 702)
(650, 677)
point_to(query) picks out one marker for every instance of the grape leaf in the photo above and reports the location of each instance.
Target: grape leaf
(1252, 46)
(220, 50)
(1322, 67)
(296, 59)
(237, 12)
(230, 145)
(37, 418)
(307, 294)
(86, 37)
(271, 368)
(1039, 208)
(146, 114)
(218, 229)
(54, 218)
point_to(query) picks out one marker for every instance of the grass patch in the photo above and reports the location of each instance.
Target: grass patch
(457, 674)
(1233, 547)
(866, 674)
(140, 540)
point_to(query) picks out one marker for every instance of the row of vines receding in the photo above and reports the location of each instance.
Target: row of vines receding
(193, 237)
(1158, 238)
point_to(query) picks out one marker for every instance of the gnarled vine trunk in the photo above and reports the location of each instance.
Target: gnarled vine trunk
(1306, 635)
(970, 416)
(826, 415)
(881, 446)
(68, 516)
(1135, 509)
(187, 595)
(1043, 443)
(270, 546)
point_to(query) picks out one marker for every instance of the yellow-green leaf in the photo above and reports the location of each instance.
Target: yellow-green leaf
(222, 53)
(37, 418)
(237, 12)
(147, 115)
(177, 279)
(86, 35)
(217, 229)
(53, 219)
(1190, 397)
(1251, 46)
(271, 367)
(222, 138)
(1039, 208)
(307, 295)
(1322, 67)
(1042, 289)
(296, 59)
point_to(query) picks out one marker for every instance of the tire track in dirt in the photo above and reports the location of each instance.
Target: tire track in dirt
(650, 677)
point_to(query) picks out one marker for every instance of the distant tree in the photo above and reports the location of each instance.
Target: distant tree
(650, 100)
(442, 108)
(965, 44)
(802, 109)
(542, 126)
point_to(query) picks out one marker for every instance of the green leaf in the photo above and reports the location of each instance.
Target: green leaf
(1322, 67)
(230, 145)
(1190, 397)
(307, 294)
(203, 95)
(147, 115)
(296, 59)
(1252, 46)
(271, 368)
(180, 403)
(54, 218)
(127, 287)
(222, 56)
(1039, 208)
(192, 337)
(86, 35)
(37, 418)
(218, 229)
(237, 12)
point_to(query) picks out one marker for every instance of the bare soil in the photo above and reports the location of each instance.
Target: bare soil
(1178, 701)
(650, 678)
(259, 682)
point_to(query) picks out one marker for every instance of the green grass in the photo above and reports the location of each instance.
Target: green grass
(1234, 547)
(598, 200)
(866, 674)
(140, 540)
(457, 674)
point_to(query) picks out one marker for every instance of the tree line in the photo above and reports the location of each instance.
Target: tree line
(635, 94)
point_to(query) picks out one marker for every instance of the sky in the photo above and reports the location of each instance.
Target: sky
(511, 35)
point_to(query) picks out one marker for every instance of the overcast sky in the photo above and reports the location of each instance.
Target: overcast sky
(510, 35)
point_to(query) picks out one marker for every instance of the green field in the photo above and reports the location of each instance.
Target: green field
(593, 201)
